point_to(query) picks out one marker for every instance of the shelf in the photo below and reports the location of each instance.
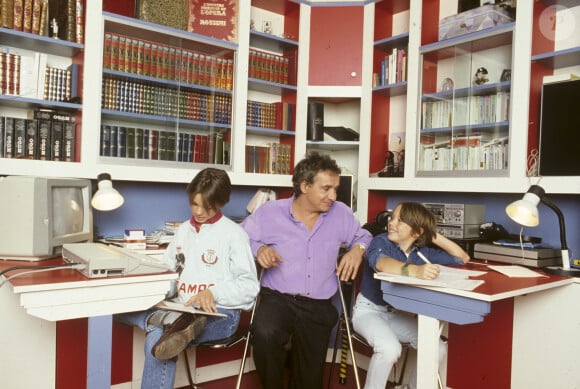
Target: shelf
(268, 131)
(39, 43)
(463, 173)
(478, 90)
(163, 82)
(559, 59)
(399, 41)
(153, 119)
(261, 40)
(154, 32)
(457, 130)
(29, 103)
(333, 145)
(397, 89)
(472, 42)
(270, 87)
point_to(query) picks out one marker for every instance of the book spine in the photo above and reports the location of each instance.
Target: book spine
(69, 140)
(32, 150)
(44, 133)
(2, 137)
(79, 21)
(130, 142)
(9, 137)
(70, 20)
(122, 142)
(27, 16)
(18, 15)
(36, 16)
(113, 145)
(19, 138)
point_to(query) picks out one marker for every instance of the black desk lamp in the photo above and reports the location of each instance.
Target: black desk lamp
(525, 213)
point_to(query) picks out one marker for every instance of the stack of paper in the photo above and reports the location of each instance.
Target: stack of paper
(449, 277)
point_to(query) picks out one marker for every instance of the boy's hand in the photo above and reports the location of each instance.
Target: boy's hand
(204, 300)
(425, 272)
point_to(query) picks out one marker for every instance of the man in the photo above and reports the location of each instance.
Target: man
(297, 241)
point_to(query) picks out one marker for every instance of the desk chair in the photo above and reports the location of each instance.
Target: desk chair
(241, 334)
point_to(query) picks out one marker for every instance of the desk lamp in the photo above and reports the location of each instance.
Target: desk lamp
(106, 198)
(525, 213)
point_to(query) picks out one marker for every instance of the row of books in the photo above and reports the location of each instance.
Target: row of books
(268, 67)
(48, 136)
(466, 110)
(139, 97)
(134, 55)
(146, 143)
(62, 19)
(465, 155)
(393, 68)
(278, 115)
(29, 76)
(273, 158)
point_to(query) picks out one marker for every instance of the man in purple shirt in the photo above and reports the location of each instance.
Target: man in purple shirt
(297, 242)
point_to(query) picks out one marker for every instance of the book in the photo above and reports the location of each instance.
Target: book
(69, 139)
(44, 139)
(179, 307)
(8, 137)
(220, 24)
(315, 121)
(2, 136)
(19, 138)
(32, 151)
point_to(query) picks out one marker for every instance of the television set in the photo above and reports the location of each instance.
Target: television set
(560, 129)
(40, 214)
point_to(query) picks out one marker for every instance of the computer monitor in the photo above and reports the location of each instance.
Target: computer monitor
(39, 214)
(560, 129)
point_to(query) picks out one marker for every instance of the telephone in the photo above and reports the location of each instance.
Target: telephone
(491, 231)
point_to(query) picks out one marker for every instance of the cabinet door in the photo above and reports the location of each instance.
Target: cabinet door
(336, 46)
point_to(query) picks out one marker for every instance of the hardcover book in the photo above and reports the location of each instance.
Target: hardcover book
(8, 137)
(19, 138)
(217, 19)
(32, 151)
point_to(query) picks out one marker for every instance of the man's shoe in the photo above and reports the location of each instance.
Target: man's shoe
(178, 335)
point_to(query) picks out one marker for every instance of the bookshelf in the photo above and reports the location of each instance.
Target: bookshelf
(39, 74)
(272, 87)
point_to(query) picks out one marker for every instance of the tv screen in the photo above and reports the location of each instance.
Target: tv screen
(40, 214)
(560, 129)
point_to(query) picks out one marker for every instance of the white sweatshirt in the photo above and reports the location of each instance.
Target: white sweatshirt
(219, 257)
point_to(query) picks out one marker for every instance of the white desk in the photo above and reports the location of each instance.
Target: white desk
(460, 307)
(62, 295)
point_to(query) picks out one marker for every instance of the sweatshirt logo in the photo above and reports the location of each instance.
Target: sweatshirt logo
(209, 257)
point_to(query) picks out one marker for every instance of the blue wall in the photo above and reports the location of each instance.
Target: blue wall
(149, 205)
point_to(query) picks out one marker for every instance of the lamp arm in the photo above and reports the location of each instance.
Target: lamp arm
(553, 206)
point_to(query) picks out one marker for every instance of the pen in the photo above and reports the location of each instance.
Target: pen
(424, 258)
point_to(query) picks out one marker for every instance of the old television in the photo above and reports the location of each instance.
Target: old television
(40, 214)
(560, 129)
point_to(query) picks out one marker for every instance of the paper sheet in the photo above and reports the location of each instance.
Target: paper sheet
(515, 271)
(449, 277)
(173, 306)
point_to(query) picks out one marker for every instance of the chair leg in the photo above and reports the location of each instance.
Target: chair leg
(243, 363)
(333, 361)
(192, 384)
(349, 335)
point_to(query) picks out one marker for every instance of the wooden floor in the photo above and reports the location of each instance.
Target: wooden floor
(251, 381)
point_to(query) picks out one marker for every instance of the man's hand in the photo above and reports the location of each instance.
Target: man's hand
(204, 300)
(349, 264)
(267, 257)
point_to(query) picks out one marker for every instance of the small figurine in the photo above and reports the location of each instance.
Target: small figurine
(54, 26)
(480, 76)
(447, 85)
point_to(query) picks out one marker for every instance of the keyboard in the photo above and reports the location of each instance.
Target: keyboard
(103, 261)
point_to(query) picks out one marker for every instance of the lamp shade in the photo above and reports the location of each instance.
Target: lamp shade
(525, 211)
(106, 198)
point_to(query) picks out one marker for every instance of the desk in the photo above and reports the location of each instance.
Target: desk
(466, 307)
(62, 295)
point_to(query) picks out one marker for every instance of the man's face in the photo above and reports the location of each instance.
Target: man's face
(321, 194)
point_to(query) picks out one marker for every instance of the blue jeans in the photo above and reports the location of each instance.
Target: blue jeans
(161, 374)
(384, 330)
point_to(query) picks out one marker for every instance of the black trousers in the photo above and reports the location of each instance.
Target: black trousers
(306, 323)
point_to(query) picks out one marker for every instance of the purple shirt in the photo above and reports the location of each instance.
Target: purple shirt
(309, 257)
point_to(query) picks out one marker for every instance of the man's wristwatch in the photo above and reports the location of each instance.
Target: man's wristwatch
(362, 247)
